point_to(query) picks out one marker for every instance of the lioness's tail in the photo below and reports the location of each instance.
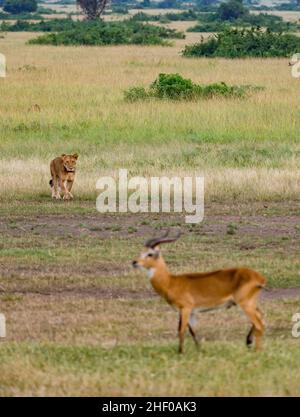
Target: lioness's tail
(51, 183)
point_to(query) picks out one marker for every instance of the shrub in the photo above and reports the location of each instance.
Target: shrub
(175, 87)
(19, 6)
(232, 10)
(145, 17)
(51, 25)
(135, 94)
(234, 13)
(108, 33)
(234, 43)
(207, 27)
(172, 86)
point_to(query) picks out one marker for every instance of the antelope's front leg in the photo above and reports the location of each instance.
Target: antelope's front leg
(183, 323)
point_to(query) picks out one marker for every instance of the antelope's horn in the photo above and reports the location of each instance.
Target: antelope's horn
(151, 243)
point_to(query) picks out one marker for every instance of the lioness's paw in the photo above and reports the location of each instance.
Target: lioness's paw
(66, 197)
(58, 197)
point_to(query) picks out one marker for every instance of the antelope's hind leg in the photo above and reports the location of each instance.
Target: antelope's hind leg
(257, 328)
(192, 321)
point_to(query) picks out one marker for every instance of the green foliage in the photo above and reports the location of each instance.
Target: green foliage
(135, 94)
(206, 5)
(20, 16)
(46, 10)
(175, 87)
(231, 10)
(168, 4)
(235, 43)
(185, 15)
(51, 25)
(120, 9)
(104, 33)
(233, 13)
(19, 6)
(208, 27)
(290, 6)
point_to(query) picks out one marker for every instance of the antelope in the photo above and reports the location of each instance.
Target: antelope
(203, 291)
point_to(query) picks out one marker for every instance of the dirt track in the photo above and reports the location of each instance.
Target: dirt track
(263, 229)
(118, 293)
(106, 226)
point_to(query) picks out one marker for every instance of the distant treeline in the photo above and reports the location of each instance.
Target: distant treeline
(242, 43)
(69, 32)
(185, 15)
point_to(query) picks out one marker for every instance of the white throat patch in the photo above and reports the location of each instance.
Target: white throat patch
(151, 272)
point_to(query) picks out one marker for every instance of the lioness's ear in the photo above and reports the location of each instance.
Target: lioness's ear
(75, 155)
(63, 155)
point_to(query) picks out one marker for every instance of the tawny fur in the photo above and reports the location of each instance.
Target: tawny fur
(209, 290)
(63, 170)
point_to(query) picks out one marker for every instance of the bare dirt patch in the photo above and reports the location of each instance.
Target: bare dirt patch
(104, 293)
(105, 226)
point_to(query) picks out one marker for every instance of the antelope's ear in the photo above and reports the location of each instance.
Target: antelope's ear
(75, 155)
(157, 248)
(156, 253)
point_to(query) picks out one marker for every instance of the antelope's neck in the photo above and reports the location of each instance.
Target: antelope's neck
(160, 278)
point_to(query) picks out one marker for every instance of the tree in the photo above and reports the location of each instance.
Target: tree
(206, 3)
(167, 4)
(232, 10)
(147, 3)
(19, 6)
(92, 9)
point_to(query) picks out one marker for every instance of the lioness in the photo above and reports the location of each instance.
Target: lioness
(62, 171)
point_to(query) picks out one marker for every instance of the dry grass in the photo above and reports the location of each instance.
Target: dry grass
(241, 146)
(79, 321)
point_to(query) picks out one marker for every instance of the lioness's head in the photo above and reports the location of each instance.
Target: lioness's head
(69, 162)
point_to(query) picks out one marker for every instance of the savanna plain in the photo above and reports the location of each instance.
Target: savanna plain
(79, 320)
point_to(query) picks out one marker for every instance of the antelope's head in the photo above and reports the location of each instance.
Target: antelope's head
(151, 257)
(69, 162)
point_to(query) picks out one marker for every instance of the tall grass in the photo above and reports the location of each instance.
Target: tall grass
(246, 148)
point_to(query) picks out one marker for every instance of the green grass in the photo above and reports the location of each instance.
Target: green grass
(218, 369)
(80, 321)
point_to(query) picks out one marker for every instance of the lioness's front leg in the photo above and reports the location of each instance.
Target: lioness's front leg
(55, 190)
(69, 186)
(67, 194)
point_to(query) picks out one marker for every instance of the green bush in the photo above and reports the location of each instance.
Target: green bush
(172, 86)
(232, 10)
(19, 6)
(175, 87)
(107, 33)
(235, 43)
(185, 15)
(20, 16)
(207, 27)
(135, 94)
(51, 25)
(233, 13)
